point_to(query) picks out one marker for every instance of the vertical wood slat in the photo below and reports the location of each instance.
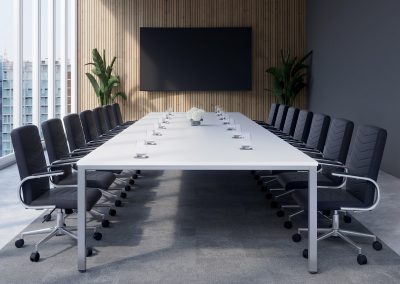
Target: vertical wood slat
(114, 25)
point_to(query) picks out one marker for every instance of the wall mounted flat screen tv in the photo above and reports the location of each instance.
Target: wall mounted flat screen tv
(195, 59)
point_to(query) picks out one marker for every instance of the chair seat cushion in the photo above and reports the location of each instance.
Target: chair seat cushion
(66, 198)
(299, 180)
(328, 199)
(96, 179)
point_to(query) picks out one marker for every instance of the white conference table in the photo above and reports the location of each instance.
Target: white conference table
(206, 147)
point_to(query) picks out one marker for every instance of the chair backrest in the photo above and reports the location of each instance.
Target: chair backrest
(291, 120)
(273, 111)
(365, 160)
(280, 117)
(100, 120)
(318, 131)
(117, 113)
(89, 125)
(56, 144)
(30, 159)
(303, 125)
(74, 131)
(110, 117)
(338, 139)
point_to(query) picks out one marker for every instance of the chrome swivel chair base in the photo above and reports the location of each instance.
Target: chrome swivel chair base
(59, 229)
(335, 231)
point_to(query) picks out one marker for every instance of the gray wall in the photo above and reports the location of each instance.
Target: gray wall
(356, 65)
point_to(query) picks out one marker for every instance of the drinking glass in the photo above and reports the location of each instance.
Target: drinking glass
(140, 150)
(156, 131)
(150, 137)
(237, 133)
(246, 141)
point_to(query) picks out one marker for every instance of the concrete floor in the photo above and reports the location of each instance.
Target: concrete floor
(383, 221)
(13, 216)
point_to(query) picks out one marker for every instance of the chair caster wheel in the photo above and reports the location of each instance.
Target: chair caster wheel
(297, 238)
(123, 195)
(288, 224)
(256, 177)
(97, 236)
(362, 259)
(135, 176)
(47, 218)
(35, 256)
(280, 213)
(128, 188)
(112, 212)
(347, 219)
(305, 253)
(377, 245)
(138, 172)
(89, 252)
(274, 204)
(19, 243)
(105, 223)
(268, 196)
(131, 181)
(326, 213)
(118, 203)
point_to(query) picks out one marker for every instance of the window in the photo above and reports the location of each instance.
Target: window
(6, 74)
(34, 48)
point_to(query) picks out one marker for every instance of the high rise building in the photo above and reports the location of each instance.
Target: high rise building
(6, 96)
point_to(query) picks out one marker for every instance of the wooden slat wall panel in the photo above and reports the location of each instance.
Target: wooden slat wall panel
(114, 25)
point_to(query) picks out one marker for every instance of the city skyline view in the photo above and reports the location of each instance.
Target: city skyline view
(6, 19)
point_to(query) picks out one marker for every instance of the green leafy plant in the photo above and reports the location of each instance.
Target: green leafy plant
(106, 81)
(289, 78)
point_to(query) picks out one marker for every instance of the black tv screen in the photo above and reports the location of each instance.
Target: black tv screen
(195, 59)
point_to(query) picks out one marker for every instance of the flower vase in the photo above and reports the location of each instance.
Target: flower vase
(194, 122)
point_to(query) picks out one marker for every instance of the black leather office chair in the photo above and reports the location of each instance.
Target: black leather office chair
(301, 132)
(57, 149)
(302, 128)
(361, 192)
(111, 119)
(335, 152)
(273, 111)
(317, 135)
(75, 135)
(34, 190)
(280, 118)
(90, 129)
(78, 144)
(118, 115)
(101, 123)
(315, 141)
(290, 122)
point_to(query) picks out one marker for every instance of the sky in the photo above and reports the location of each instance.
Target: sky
(7, 31)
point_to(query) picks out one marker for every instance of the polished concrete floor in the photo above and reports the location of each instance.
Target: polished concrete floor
(196, 227)
(13, 216)
(383, 221)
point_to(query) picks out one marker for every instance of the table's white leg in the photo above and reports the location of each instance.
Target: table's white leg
(312, 221)
(81, 219)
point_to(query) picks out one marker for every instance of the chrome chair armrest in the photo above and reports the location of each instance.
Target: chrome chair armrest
(36, 176)
(377, 191)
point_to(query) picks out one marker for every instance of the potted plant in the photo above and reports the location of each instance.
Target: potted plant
(289, 78)
(106, 81)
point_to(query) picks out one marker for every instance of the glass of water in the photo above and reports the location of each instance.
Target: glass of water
(140, 150)
(237, 132)
(245, 142)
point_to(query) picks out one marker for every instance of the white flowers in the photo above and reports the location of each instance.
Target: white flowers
(195, 114)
